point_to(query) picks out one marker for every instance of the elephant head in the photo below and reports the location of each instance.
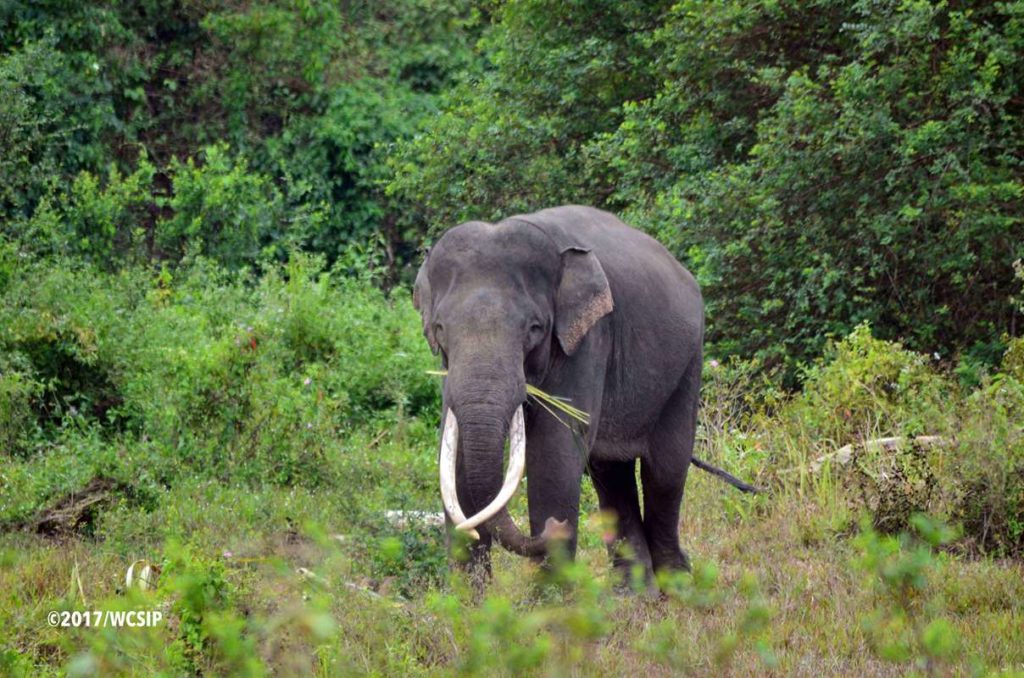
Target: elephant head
(501, 303)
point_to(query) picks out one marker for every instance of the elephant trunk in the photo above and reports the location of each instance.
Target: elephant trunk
(506, 533)
(483, 428)
(477, 435)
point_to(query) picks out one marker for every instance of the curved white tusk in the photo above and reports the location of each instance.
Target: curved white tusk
(516, 466)
(449, 446)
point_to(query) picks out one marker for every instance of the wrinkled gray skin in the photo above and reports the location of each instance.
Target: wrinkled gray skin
(574, 301)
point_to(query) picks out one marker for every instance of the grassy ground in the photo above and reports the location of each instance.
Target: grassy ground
(279, 580)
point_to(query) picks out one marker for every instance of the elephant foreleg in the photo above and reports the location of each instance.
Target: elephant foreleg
(554, 468)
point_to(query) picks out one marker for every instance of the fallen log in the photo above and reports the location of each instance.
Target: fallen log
(76, 511)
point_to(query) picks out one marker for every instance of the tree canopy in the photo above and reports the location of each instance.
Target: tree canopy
(817, 164)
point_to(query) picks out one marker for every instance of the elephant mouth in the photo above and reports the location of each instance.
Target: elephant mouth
(513, 475)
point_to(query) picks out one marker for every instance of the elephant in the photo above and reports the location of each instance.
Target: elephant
(577, 303)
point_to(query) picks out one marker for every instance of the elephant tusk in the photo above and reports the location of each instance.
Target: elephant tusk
(449, 445)
(516, 466)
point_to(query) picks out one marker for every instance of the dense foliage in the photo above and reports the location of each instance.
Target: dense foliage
(818, 164)
(302, 100)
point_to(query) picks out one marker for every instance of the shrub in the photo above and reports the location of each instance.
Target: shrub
(50, 126)
(310, 95)
(736, 395)
(868, 388)
(266, 379)
(62, 324)
(230, 379)
(986, 469)
(210, 633)
(562, 74)
(904, 626)
(1013, 359)
(865, 389)
(413, 559)
(18, 424)
(332, 165)
(102, 220)
(222, 207)
(892, 483)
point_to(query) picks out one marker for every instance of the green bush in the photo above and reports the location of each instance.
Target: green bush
(100, 220)
(411, 560)
(1013, 359)
(271, 376)
(970, 470)
(514, 136)
(736, 396)
(256, 382)
(308, 95)
(332, 165)
(222, 207)
(51, 125)
(819, 188)
(987, 466)
(904, 626)
(210, 633)
(18, 425)
(869, 388)
(62, 323)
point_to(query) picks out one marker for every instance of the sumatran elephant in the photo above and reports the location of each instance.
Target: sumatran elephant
(577, 303)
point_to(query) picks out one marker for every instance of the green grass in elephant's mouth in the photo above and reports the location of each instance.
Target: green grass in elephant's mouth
(547, 401)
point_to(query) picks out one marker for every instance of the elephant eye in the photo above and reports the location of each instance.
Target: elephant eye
(535, 335)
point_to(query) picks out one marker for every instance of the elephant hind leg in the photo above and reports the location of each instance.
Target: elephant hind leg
(615, 483)
(663, 471)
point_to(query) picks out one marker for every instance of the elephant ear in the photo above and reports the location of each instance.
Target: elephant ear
(421, 300)
(583, 297)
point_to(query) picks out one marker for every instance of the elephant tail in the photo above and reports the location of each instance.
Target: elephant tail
(724, 475)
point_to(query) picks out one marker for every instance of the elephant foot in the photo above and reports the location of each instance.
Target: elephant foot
(473, 560)
(632, 574)
(674, 560)
(636, 581)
